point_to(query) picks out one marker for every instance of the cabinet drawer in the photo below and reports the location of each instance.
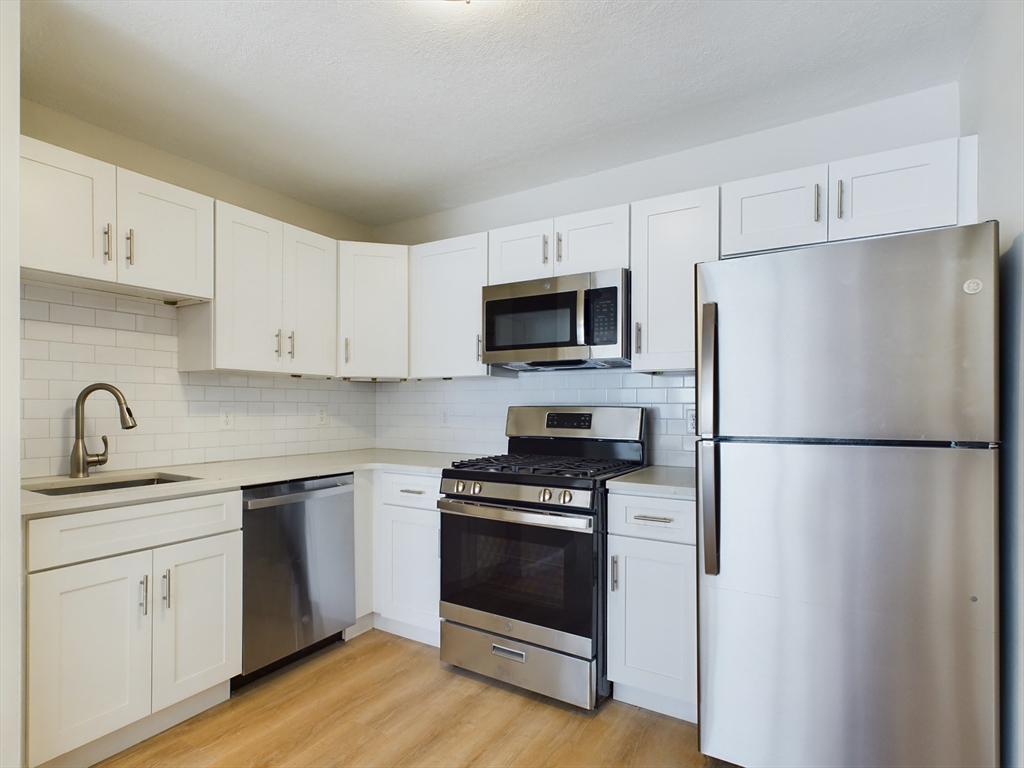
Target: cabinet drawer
(410, 490)
(73, 538)
(653, 518)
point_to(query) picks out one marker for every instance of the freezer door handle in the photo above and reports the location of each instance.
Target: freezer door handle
(706, 361)
(707, 493)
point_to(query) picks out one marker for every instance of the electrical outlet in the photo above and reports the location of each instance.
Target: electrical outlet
(227, 419)
(321, 416)
(445, 416)
(690, 417)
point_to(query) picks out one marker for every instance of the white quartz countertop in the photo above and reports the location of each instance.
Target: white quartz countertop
(227, 476)
(680, 482)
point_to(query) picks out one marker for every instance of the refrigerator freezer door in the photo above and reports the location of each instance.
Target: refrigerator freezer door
(854, 618)
(891, 339)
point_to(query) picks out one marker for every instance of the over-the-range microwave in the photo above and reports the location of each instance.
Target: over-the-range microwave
(558, 323)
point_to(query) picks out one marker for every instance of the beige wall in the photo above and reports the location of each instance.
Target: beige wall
(11, 626)
(54, 127)
(992, 105)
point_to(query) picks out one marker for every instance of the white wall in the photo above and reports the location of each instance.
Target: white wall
(10, 508)
(74, 338)
(992, 101)
(85, 138)
(916, 118)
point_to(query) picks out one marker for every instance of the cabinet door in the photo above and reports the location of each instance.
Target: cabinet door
(310, 283)
(407, 565)
(248, 328)
(522, 252)
(592, 241)
(165, 238)
(197, 616)
(670, 235)
(897, 191)
(68, 210)
(446, 281)
(373, 304)
(89, 638)
(652, 618)
(777, 211)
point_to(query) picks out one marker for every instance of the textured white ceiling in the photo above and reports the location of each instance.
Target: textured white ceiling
(384, 110)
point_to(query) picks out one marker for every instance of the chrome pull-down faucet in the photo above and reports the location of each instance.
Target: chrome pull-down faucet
(81, 459)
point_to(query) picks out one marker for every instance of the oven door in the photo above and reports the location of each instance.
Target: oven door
(520, 573)
(536, 320)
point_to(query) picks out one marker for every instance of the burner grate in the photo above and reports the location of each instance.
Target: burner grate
(557, 466)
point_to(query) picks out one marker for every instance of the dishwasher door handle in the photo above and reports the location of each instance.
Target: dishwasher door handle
(295, 498)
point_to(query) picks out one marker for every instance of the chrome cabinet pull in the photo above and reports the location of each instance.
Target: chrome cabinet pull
(108, 232)
(558, 247)
(707, 492)
(638, 336)
(130, 237)
(544, 251)
(479, 347)
(278, 337)
(615, 572)
(653, 518)
(144, 603)
(167, 587)
(816, 195)
(508, 653)
(291, 344)
(412, 491)
(346, 349)
(839, 201)
(706, 361)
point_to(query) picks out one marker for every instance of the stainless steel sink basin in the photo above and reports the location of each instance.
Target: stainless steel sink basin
(96, 484)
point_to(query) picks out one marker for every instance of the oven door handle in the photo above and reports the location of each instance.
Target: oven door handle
(562, 520)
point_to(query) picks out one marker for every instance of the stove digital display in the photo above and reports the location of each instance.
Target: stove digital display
(569, 420)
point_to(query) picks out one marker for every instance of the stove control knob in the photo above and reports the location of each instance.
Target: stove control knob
(460, 486)
(565, 497)
(545, 495)
(477, 488)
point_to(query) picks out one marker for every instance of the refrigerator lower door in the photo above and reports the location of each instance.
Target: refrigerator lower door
(853, 621)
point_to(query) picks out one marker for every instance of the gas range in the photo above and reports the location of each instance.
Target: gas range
(523, 549)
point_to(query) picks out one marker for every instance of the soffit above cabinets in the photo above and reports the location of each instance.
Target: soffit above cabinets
(387, 111)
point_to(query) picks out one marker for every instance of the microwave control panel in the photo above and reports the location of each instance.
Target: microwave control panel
(603, 320)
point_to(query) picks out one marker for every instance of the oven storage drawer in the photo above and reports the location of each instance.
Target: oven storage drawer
(650, 517)
(561, 677)
(420, 491)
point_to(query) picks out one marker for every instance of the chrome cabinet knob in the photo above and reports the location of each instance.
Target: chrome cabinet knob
(565, 497)
(477, 488)
(460, 486)
(545, 495)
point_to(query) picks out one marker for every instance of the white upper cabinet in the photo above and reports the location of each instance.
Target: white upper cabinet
(68, 212)
(310, 303)
(670, 235)
(165, 236)
(592, 241)
(521, 252)
(897, 191)
(373, 310)
(446, 280)
(777, 211)
(82, 219)
(249, 333)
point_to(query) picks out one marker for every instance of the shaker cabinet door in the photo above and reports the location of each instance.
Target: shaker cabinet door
(592, 241)
(165, 236)
(68, 212)
(520, 252)
(407, 565)
(89, 638)
(310, 303)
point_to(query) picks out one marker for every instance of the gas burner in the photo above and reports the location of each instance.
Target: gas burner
(555, 466)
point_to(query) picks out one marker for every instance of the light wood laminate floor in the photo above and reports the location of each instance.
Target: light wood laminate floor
(381, 700)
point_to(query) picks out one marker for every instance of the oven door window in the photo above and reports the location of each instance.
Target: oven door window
(543, 576)
(532, 322)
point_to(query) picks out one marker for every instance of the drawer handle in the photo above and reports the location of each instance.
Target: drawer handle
(413, 492)
(653, 518)
(508, 653)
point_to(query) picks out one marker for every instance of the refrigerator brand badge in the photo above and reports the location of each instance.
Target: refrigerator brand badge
(973, 286)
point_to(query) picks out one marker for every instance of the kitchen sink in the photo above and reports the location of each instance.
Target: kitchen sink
(97, 484)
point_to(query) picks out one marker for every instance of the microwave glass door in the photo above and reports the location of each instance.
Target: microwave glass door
(542, 576)
(533, 322)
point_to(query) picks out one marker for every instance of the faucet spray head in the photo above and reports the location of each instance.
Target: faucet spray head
(127, 420)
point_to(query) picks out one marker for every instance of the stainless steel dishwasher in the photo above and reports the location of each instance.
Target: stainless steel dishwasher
(298, 572)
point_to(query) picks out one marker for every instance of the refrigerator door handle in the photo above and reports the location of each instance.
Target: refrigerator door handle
(706, 362)
(707, 493)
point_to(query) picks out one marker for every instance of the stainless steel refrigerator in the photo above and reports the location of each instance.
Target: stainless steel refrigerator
(847, 503)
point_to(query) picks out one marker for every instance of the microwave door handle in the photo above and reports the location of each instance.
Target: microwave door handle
(581, 318)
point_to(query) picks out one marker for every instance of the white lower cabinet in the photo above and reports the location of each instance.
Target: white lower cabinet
(652, 624)
(407, 567)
